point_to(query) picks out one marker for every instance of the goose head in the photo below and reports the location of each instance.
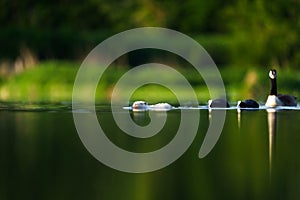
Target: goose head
(272, 74)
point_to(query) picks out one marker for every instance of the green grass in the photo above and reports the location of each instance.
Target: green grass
(52, 81)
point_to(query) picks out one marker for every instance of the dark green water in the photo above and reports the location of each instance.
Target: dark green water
(42, 157)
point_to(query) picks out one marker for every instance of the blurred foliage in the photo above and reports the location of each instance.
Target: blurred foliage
(244, 32)
(52, 81)
(265, 33)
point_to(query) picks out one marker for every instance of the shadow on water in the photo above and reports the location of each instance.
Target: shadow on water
(42, 157)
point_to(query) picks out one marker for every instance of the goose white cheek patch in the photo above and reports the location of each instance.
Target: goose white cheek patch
(271, 75)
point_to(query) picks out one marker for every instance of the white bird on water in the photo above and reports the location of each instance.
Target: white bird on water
(140, 106)
(143, 106)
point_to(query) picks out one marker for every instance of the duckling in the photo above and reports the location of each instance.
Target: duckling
(218, 103)
(248, 103)
(161, 107)
(140, 106)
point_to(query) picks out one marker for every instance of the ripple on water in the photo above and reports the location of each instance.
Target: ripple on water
(35, 107)
(67, 106)
(205, 107)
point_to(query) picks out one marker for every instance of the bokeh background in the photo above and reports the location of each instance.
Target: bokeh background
(44, 42)
(42, 45)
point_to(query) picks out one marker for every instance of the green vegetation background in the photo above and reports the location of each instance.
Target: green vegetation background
(52, 81)
(44, 42)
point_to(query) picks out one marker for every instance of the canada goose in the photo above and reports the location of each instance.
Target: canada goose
(249, 103)
(281, 99)
(218, 103)
(140, 106)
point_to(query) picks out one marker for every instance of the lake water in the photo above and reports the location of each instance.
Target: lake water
(42, 157)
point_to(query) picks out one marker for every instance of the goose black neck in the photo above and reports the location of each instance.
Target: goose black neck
(273, 87)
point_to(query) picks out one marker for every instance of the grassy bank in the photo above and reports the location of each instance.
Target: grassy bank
(53, 82)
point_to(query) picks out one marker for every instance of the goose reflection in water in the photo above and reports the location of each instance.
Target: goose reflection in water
(272, 121)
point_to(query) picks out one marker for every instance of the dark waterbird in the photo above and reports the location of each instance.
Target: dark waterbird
(218, 103)
(248, 103)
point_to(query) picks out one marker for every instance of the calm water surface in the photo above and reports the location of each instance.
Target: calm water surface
(42, 157)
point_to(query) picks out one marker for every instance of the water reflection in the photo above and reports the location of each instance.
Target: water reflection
(216, 123)
(42, 157)
(141, 118)
(239, 118)
(272, 121)
(239, 115)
